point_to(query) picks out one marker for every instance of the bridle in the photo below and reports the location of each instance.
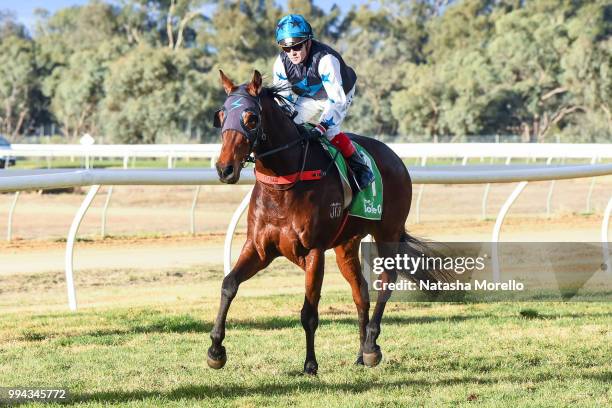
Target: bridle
(254, 134)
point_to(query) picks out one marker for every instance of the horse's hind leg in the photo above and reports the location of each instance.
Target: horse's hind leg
(347, 258)
(248, 264)
(387, 246)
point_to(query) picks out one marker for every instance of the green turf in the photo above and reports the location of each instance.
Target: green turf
(500, 354)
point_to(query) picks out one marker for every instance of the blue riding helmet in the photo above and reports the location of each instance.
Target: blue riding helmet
(292, 29)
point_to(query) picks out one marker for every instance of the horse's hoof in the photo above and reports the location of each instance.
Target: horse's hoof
(216, 360)
(359, 360)
(310, 368)
(372, 359)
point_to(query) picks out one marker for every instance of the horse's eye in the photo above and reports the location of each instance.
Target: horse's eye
(250, 120)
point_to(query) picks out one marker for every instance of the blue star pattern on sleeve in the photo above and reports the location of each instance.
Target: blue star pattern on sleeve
(281, 76)
(325, 78)
(328, 122)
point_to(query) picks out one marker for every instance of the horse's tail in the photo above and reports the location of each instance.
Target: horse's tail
(417, 248)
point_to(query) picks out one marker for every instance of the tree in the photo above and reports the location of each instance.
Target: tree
(18, 82)
(586, 71)
(419, 107)
(425, 67)
(463, 26)
(505, 67)
(242, 32)
(324, 26)
(161, 22)
(151, 93)
(74, 48)
(80, 89)
(526, 54)
(10, 27)
(380, 45)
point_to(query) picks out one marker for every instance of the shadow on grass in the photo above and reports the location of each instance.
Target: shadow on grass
(303, 384)
(605, 377)
(299, 384)
(190, 325)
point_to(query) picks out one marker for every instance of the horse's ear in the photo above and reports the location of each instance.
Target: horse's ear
(254, 87)
(227, 83)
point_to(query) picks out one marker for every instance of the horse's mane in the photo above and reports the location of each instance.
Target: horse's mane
(275, 91)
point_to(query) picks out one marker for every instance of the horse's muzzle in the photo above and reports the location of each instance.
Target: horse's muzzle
(228, 174)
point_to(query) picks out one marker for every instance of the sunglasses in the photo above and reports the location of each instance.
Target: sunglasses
(296, 47)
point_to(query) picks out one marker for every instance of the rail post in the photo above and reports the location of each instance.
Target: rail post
(9, 228)
(498, 224)
(76, 222)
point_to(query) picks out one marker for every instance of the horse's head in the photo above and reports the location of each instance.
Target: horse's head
(240, 121)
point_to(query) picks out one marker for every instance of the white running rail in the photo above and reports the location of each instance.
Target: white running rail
(18, 180)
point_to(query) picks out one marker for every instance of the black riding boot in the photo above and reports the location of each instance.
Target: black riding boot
(363, 174)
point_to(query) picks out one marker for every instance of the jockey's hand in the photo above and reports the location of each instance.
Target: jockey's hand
(318, 131)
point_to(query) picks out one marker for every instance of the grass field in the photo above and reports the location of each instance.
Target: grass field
(144, 344)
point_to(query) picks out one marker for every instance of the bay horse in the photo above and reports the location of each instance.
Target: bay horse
(294, 219)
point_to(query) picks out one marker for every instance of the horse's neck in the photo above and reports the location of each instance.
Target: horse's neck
(279, 132)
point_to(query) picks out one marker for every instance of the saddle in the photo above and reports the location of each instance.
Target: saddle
(366, 203)
(347, 178)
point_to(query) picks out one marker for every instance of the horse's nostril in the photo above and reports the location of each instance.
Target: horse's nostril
(225, 172)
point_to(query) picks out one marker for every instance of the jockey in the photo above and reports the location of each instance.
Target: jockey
(320, 85)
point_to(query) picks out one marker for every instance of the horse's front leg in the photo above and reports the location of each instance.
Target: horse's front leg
(248, 264)
(315, 262)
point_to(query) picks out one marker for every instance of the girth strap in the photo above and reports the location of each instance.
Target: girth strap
(289, 178)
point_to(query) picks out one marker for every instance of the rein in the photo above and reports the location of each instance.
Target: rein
(256, 133)
(286, 181)
(252, 157)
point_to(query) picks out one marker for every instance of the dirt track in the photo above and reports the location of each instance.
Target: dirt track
(160, 217)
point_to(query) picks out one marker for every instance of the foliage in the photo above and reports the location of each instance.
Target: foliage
(17, 83)
(431, 68)
(80, 89)
(378, 39)
(502, 67)
(146, 103)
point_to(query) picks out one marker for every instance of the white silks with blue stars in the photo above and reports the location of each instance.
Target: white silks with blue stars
(331, 111)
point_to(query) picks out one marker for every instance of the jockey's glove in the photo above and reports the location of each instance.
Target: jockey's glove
(318, 131)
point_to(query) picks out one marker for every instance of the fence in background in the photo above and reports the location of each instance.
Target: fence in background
(463, 151)
(18, 180)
